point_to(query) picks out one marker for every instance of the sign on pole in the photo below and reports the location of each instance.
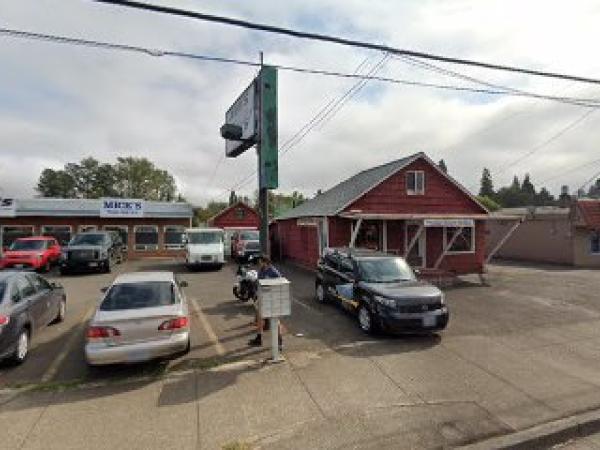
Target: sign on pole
(242, 113)
(269, 169)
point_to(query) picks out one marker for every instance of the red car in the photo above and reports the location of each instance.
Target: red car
(37, 252)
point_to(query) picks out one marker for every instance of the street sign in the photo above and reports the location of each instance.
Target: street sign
(269, 169)
(242, 113)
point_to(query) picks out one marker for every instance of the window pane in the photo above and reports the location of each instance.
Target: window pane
(463, 242)
(61, 233)
(420, 182)
(10, 234)
(595, 242)
(410, 181)
(173, 236)
(138, 295)
(122, 232)
(146, 238)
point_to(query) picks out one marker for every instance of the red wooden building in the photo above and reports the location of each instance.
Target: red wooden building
(236, 216)
(407, 207)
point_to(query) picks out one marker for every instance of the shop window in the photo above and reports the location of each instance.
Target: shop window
(87, 228)
(12, 233)
(415, 182)
(62, 233)
(123, 231)
(173, 236)
(146, 237)
(595, 243)
(464, 242)
(369, 236)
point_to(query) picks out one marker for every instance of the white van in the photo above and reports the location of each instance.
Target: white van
(204, 247)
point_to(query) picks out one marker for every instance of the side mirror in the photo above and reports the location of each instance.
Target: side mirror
(104, 289)
(183, 284)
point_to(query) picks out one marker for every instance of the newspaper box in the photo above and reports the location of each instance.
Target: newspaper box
(274, 297)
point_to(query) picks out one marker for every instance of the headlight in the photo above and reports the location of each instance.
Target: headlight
(389, 302)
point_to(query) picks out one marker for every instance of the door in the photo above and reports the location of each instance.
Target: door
(34, 302)
(417, 257)
(345, 284)
(46, 297)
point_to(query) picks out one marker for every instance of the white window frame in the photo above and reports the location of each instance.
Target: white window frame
(419, 190)
(454, 252)
(90, 228)
(110, 227)
(3, 227)
(145, 247)
(44, 227)
(596, 233)
(178, 246)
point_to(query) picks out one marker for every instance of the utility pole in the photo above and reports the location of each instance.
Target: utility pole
(263, 191)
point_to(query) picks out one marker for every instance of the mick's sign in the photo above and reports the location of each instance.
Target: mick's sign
(121, 207)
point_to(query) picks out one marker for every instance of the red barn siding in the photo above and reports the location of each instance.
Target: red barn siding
(339, 232)
(395, 237)
(463, 263)
(441, 195)
(298, 244)
(228, 218)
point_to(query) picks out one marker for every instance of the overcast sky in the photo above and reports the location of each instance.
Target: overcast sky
(60, 103)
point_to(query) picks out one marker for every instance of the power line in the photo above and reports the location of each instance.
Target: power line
(584, 102)
(594, 177)
(342, 41)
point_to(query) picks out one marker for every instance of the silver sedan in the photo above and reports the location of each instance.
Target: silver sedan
(142, 316)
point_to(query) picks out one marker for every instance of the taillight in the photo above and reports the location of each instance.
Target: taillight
(4, 320)
(174, 324)
(102, 332)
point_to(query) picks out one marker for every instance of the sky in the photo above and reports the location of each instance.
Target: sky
(61, 103)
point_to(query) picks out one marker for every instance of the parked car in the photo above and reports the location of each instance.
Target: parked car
(381, 290)
(97, 251)
(28, 302)
(37, 253)
(204, 247)
(143, 316)
(245, 243)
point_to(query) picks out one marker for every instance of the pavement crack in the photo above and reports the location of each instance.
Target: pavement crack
(293, 370)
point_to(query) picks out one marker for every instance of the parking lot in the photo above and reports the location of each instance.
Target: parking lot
(520, 350)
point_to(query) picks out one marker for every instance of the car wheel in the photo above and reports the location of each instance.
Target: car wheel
(22, 349)
(107, 267)
(62, 311)
(365, 319)
(64, 271)
(320, 294)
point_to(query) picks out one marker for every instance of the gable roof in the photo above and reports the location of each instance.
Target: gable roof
(229, 208)
(590, 212)
(336, 199)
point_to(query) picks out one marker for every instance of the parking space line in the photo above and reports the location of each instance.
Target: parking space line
(212, 336)
(50, 373)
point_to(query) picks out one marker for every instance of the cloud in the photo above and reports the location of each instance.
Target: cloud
(61, 103)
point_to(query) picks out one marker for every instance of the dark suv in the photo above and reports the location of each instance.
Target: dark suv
(381, 290)
(97, 250)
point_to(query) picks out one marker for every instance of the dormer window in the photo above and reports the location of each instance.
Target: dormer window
(415, 182)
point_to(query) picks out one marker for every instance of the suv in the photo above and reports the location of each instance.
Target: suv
(37, 252)
(245, 243)
(381, 290)
(97, 250)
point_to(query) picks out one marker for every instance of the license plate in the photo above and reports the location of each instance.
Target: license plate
(138, 355)
(92, 264)
(429, 321)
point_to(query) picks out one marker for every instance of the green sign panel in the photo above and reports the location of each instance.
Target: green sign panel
(269, 166)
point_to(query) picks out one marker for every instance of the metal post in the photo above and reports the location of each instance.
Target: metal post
(263, 192)
(275, 339)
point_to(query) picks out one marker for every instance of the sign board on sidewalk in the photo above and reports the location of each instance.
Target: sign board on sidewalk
(8, 207)
(454, 223)
(243, 113)
(121, 207)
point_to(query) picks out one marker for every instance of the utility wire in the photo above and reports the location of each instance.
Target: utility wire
(594, 177)
(571, 170)
(590, 103)
(342, 41)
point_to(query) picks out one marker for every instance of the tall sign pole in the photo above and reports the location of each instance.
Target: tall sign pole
(263, 193)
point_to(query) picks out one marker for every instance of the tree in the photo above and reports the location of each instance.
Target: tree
(594, 190)
(528, 190)
(544, 198)
(487, 186)
(201, 215)
(489, 203)
(140, 178)
(56, 183)
(442, 166)
(232, 198)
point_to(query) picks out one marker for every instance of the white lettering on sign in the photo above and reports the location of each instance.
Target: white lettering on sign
(455, 223)
(8, 207)
(243, 114)
(121, 207)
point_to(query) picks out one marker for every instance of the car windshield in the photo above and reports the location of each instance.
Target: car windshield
(87, 239)
(138, 295)
(205, 238)
(25, 245)
(249, 236)
(384, 270)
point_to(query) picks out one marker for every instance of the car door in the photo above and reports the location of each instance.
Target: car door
(345, 283)
(35, 304)
(47, 297)
(329, 268)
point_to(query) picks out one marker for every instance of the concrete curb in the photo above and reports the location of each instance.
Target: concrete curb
(545, 435)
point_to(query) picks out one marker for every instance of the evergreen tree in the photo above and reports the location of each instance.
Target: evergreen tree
(442, 166)
(487, 186)
(232, 198)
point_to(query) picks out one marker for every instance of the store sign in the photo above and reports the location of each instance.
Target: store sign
(121, 207)
(454, 223)
(242, 113)
(8, 207)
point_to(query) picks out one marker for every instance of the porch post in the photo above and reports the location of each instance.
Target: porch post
(413, 241)
(385, 237)
(355, 232)
(447, 247)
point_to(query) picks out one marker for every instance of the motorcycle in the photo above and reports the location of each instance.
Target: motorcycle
(245, 286)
